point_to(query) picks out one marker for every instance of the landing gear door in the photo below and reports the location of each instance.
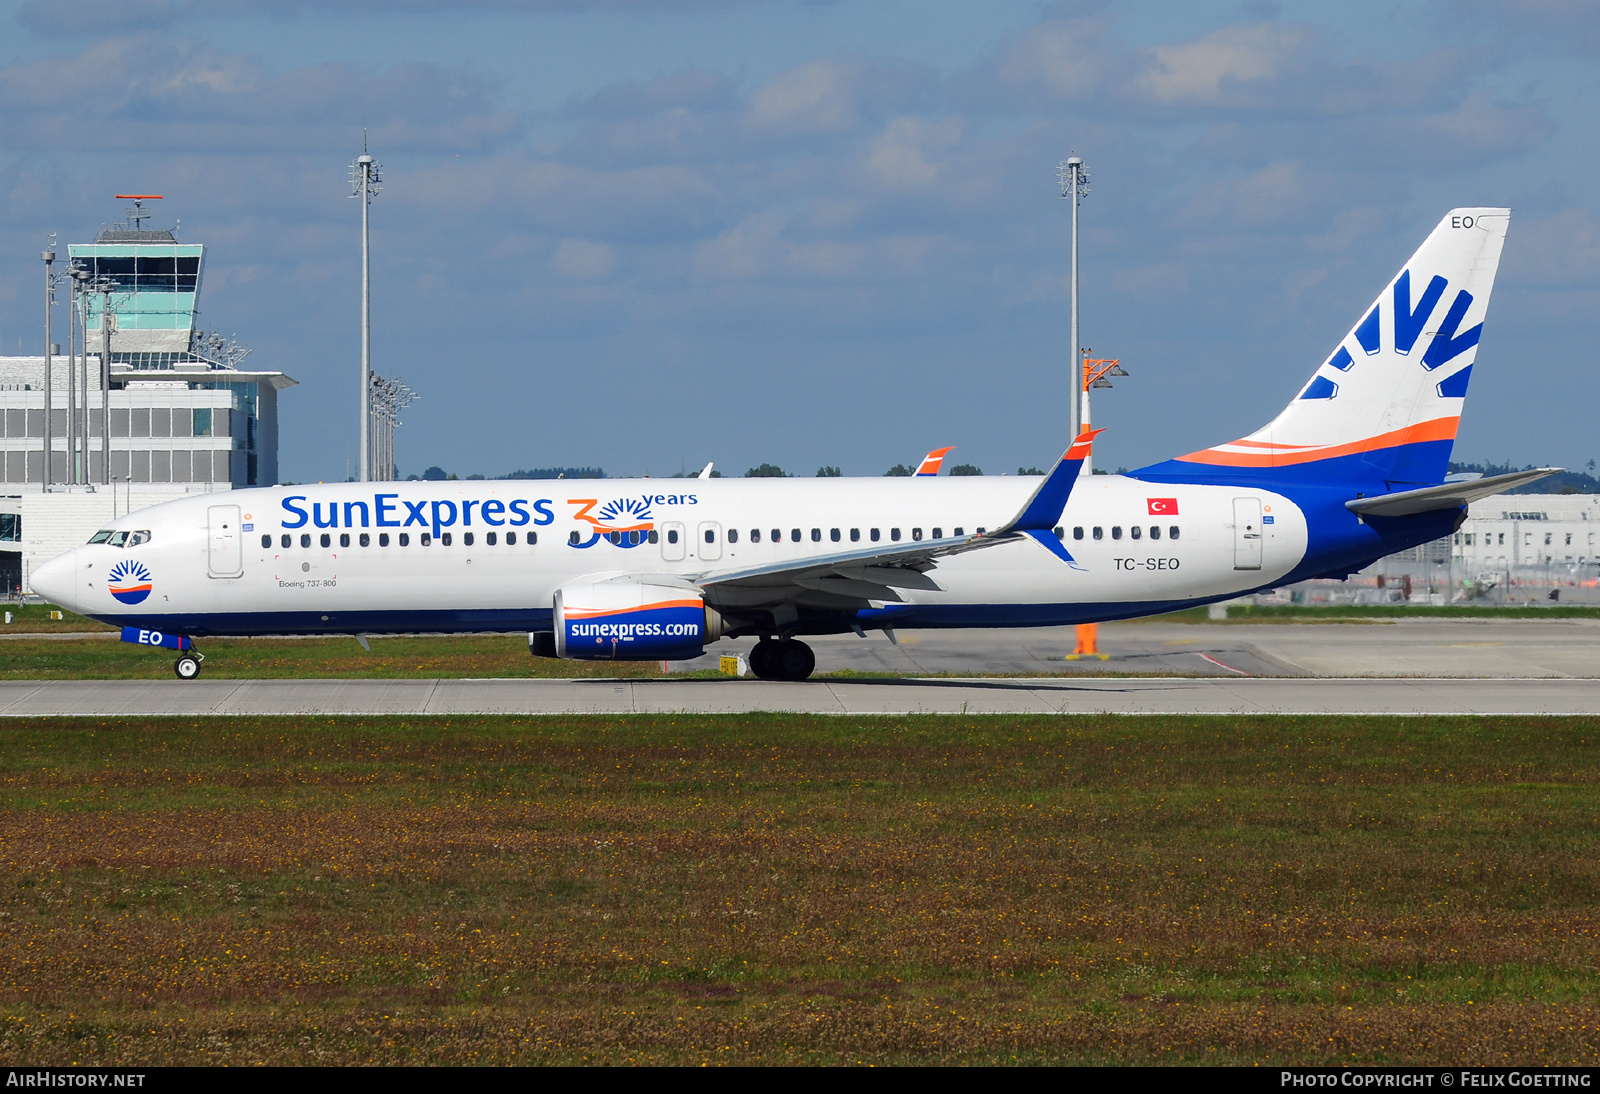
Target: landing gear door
(1247, 533)
(225, 546)
(672, 536)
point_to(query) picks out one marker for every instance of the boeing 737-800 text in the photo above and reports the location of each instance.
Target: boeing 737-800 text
(1353, 469)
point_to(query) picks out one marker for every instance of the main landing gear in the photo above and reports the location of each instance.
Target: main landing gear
(782, 659)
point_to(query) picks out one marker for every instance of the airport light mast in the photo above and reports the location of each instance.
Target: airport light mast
(1074, 179)
(49, 256)
(365, 175)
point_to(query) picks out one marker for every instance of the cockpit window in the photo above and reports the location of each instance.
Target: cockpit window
(118, 539)
(102, 535)
(141, 536)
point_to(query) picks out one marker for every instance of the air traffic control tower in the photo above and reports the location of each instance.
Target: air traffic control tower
(185, 416)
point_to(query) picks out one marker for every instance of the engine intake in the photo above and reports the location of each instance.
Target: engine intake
(632, 621)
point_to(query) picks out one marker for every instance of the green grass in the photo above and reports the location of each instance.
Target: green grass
(769, 889)
(471, 656)
(1311, 613)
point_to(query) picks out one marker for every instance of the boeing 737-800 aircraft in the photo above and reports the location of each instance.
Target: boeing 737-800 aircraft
(1353, 469)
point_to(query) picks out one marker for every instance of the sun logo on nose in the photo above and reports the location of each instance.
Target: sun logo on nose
(129, 582)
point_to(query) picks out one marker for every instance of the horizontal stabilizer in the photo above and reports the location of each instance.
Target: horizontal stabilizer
(1452, 495)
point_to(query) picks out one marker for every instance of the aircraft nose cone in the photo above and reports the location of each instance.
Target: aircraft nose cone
(56, 580)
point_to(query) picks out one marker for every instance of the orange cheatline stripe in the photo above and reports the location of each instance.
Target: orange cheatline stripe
(137, 197)
(585, 613)
(1439, 429)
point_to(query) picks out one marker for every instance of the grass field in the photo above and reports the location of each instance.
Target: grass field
(792, 889)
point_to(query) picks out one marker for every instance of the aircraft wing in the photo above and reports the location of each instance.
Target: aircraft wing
(849, 579)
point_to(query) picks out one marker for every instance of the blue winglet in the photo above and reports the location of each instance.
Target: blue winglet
(1048, 540)
(1044, 509)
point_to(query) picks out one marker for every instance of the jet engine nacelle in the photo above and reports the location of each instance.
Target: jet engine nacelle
(632, 621)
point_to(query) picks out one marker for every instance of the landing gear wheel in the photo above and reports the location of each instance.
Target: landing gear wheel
(791, 660)
(760, 659)
(187, 667)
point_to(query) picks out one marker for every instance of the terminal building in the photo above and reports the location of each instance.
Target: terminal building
(185, 417)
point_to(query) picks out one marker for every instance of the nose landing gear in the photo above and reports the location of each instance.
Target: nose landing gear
(782, 659)
(188, 665)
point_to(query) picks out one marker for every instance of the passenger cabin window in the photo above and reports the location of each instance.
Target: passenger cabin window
(425, 538)
(874, 535)
(959, 532)
(325, 540)
(1077, 533)
(755, 535)
(466, 539)
(383, 539)
(511, 539)
(305, 539)
(833, 534)
(405, 539)
(711, 535)
(574, 538)
(855, 535)
(794, 534)
(286, 541)
(490, 538)
(916, 534)
(533, 537)
(1135, 532)
(444, 539)
(894, 534)
(1116, 531)
(344, 539)
(1061, 533)
(733, 535)
(366, 540)
(655, 536)
(1155, 531)
(777, 535)
(938, 533)
(672, 535)
(1099, 533)
(816, 535)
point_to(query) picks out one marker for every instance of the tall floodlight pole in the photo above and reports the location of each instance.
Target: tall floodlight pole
(84, 474)
(1074, 179)
(49, 256)
(104, 286)
(365, 175)
(72, 375)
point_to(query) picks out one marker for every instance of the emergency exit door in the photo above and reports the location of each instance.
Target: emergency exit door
(225, 555)
(1247, 533)
(672, 537)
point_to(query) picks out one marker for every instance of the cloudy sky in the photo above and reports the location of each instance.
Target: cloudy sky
(644, 234)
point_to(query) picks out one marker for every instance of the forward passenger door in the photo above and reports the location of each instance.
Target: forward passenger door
(225, 546)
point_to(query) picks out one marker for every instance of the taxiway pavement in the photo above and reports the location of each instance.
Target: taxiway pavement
(1129, 695)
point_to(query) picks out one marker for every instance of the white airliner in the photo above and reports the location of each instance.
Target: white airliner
(1353, 469)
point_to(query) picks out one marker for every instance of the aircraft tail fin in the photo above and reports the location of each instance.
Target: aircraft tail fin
(932, 462)
(1385, 405)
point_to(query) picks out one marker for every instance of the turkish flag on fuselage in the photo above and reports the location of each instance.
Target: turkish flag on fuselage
(1163, 507)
